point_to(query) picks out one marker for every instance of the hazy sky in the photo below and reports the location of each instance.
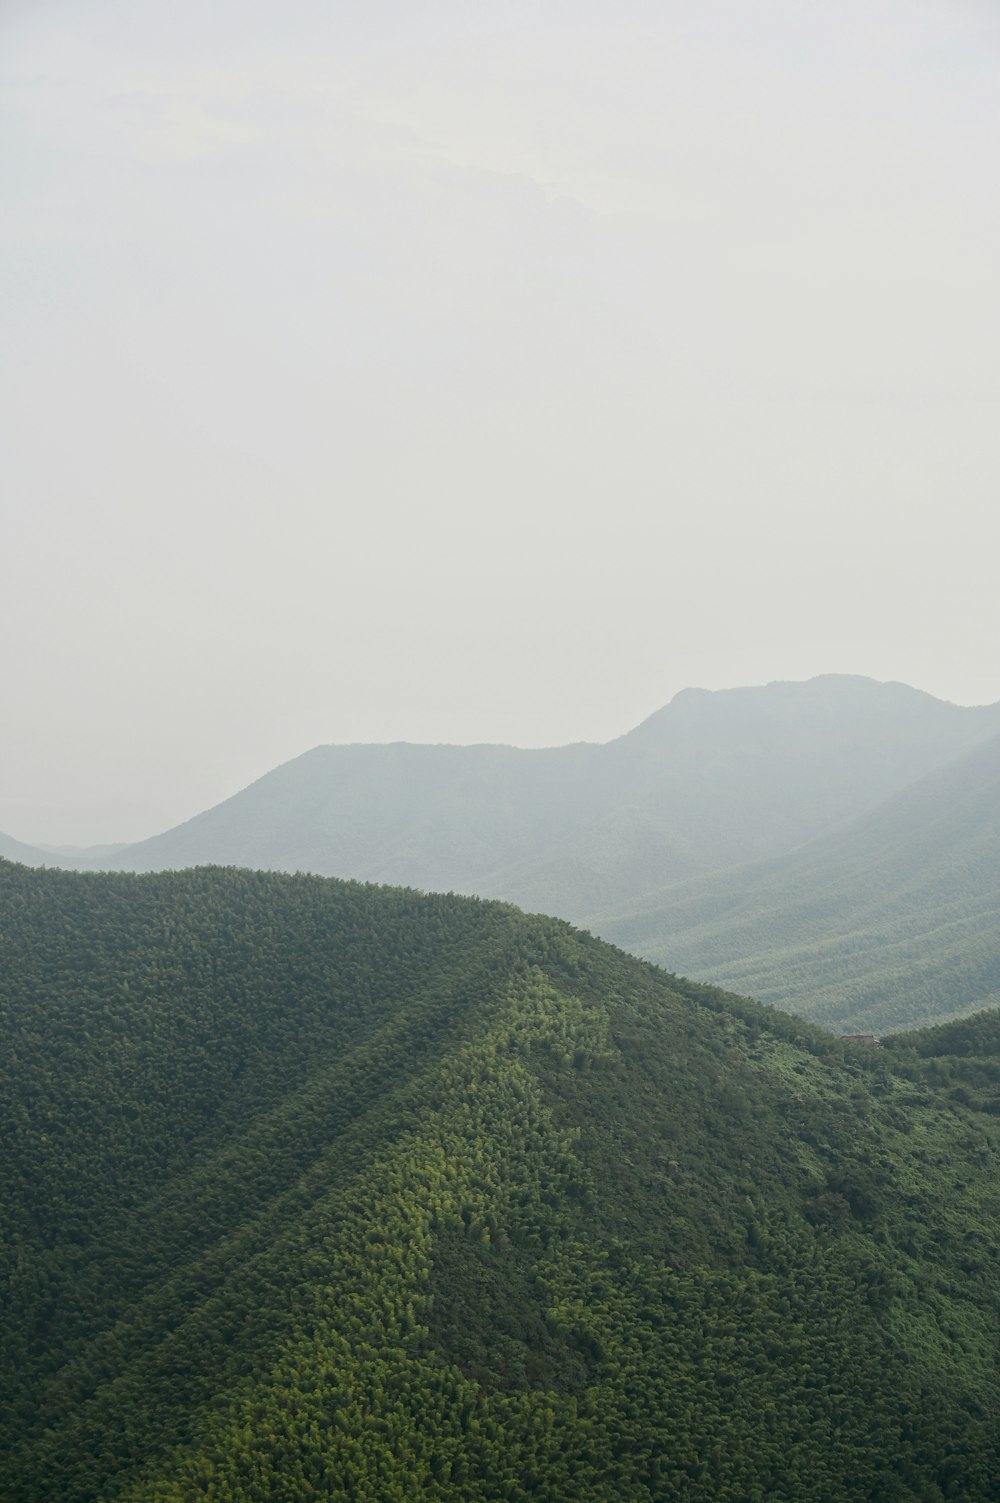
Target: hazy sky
(473, 371)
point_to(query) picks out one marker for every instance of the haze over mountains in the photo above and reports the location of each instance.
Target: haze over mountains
(858, 914)
(892, 920)
(710, 780)
(314, 1190)
(30, 855)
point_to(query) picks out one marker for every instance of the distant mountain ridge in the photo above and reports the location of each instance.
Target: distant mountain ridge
(712, 779)
(35, 855)
(613, 835)
(888, 921)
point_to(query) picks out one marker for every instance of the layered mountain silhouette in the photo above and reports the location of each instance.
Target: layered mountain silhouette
(316, 1190)
(891, 920)
(654, 838)
(710, 780)
(32, 855)
(831, 845)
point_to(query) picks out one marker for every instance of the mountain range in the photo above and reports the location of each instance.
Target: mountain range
(320, 1190)
(814, 843)
(889, 921)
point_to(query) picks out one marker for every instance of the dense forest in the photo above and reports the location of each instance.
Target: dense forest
(317, 1190)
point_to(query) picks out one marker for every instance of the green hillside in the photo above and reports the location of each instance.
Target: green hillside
(890, 922)
(313, 1190)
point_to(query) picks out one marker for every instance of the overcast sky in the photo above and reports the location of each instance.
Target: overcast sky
(476, 371)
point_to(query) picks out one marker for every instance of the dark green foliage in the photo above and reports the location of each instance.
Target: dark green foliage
(320, 1191)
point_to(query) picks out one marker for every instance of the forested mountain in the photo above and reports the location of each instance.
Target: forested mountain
(887, 922)
(747, 837)
(318, 1190)
(711, 780)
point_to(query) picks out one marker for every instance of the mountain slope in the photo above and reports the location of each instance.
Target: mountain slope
(744, 774)
(709, 781)
(320, 1190)
(30, 855)
(890, 921)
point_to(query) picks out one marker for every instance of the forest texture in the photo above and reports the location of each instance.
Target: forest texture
(320, 1190)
